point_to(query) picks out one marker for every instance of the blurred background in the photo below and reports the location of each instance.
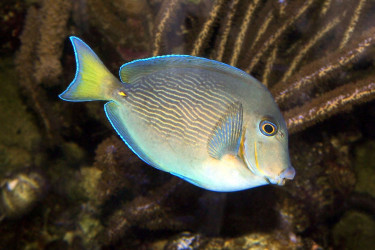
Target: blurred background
(69, 182)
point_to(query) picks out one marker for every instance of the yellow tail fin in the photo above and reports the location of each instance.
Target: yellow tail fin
(92, 81)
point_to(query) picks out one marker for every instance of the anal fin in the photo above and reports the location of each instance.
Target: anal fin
(226, 136)
(115, 116)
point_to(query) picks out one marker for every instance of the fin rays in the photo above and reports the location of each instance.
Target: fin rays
(92, 78)
(226, 135)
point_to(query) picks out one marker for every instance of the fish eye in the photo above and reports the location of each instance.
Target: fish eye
(268, 128)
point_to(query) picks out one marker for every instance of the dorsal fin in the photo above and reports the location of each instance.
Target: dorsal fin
(129, 72)
(226, 135)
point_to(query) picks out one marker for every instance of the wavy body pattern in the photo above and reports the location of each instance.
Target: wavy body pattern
(181, 104)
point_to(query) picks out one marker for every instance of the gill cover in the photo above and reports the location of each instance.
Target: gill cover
(265, 152)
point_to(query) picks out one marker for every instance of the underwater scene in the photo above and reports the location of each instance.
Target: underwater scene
(187, 124)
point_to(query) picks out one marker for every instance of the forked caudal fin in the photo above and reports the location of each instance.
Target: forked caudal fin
(92, 81)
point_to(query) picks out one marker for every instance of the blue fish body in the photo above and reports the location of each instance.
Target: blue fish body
(204, 121)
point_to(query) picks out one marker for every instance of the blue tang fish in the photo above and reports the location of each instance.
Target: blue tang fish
(204, 121)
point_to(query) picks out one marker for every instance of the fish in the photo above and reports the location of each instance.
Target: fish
(209, 123)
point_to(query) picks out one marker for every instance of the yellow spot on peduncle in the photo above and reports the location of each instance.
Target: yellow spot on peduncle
(122, 93)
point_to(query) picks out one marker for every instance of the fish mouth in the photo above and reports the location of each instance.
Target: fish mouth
(280, 180)
(275, 181)
(288, 173)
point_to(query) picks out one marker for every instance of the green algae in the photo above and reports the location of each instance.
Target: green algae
(354, 231)
(365, 168)
(90, 228)
(19, 135)
(90, 179)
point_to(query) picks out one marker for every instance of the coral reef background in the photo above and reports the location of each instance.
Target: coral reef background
(68, 182)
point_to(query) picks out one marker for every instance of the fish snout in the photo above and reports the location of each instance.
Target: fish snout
(288, 173)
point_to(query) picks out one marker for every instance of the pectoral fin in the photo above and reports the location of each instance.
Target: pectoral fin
(226, 136)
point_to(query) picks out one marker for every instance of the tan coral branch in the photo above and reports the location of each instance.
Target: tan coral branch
(168, 9)
(330, 103)
(262, 29)
(268, 68)
(274, 37)
(353, 22)
(54, 16)
(226, 30)
(241, 36)
(325, 7)
(283, 90)
(198, 44)
(24, 65)
(307, 47)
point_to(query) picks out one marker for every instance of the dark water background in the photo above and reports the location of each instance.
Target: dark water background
(68, 181)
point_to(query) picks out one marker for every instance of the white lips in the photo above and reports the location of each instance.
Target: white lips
(288, 173)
